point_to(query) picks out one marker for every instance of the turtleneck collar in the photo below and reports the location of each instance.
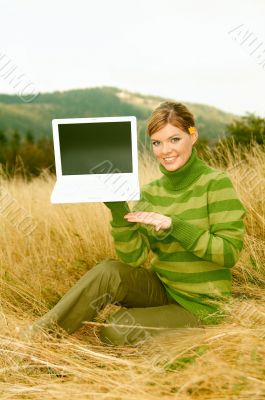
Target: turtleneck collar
(185, 175)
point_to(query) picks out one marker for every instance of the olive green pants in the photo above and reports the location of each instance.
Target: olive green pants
(145, 304)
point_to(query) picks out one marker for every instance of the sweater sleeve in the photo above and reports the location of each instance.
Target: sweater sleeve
(130, 238)
(223, 241)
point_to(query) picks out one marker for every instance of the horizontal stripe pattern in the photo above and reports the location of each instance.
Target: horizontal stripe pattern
(184, 266)
(195, 277)
(194, 260)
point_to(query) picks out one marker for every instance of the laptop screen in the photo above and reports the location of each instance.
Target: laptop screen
(95, 148)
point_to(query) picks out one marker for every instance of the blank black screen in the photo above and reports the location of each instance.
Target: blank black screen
(95, 148)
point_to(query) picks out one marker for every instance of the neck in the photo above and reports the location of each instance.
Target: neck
(185, 175)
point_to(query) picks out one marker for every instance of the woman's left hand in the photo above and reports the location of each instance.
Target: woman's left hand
(158, 220)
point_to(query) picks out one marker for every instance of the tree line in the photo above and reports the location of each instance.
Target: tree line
(25, 155)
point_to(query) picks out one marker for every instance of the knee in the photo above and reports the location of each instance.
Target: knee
(108, 277)
(122, 329)
(111, 269)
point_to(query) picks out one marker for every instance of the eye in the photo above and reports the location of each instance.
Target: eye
(175, 139)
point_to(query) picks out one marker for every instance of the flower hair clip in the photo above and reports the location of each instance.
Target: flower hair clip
(192, 129)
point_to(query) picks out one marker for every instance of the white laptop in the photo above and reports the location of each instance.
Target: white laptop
(96, 160)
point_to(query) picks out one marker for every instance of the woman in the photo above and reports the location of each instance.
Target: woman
(191, 219)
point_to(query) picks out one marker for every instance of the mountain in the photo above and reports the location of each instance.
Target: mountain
(99, 101)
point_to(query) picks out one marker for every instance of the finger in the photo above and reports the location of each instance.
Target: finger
(158, 227)
(140, 220)
(147, 221)
(162, 225)
(141, 217)
(135, 215)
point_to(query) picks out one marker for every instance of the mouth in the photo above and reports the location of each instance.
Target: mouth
(169, 159)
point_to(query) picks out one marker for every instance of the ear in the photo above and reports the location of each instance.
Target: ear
(195, 136)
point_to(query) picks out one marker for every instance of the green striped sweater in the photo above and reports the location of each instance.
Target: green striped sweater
(193, 258)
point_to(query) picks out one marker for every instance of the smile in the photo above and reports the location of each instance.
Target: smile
(169, 158)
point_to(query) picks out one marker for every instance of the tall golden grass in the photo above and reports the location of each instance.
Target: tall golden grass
(224, 361)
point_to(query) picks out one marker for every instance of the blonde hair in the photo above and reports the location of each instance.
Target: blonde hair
(176, 114)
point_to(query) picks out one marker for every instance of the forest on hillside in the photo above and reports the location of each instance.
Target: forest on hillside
(36, 117)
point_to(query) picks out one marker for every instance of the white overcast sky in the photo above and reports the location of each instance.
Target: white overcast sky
(179, 49)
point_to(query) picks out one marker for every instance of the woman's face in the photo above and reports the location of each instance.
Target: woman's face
(172, 146)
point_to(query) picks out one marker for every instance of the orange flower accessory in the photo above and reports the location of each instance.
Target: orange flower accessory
(192, 129)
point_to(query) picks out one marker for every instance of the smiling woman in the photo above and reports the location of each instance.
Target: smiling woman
(172, 146)
(172, 134)
(196, 220)
(191, 219)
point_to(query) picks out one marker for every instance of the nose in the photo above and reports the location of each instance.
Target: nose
(166, 149)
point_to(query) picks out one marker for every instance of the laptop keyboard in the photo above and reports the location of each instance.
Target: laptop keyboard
(94, 190)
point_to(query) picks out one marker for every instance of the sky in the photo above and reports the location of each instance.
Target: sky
(199, 51)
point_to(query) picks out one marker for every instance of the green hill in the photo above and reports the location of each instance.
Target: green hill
(100, 101)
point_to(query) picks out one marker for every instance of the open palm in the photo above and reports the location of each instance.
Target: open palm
(151, 218)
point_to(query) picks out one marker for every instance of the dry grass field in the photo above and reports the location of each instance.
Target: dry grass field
(45, 248)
